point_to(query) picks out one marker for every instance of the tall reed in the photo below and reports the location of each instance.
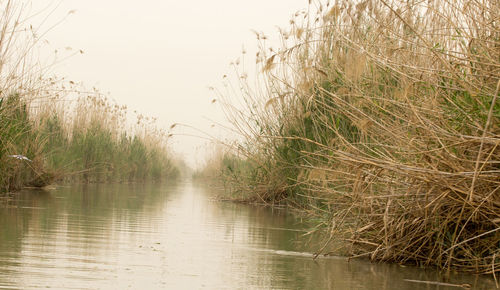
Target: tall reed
(92, 142)
(43, 137)
(20, 82)
(382, 118)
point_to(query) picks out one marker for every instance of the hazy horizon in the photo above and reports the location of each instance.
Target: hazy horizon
(159, 58)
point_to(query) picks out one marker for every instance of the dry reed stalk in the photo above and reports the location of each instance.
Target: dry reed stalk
(382, 118)
(90, 136)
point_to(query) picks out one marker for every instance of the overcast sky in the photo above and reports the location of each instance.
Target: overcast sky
(160, 57)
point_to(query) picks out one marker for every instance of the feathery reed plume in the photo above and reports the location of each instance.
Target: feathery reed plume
(390, 133)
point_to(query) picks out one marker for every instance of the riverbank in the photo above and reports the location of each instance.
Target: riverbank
(88, 143)
(380, 120)
(52, 129)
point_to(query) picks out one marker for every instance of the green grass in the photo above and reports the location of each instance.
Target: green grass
(87, 140)
(97, 148)
(84, 152)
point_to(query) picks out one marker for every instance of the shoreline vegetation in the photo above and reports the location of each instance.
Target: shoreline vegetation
(381, 120)
(45, 137)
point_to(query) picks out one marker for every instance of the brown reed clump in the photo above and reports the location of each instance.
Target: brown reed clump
(382, 117)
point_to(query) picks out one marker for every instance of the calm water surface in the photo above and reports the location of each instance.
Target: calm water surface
(173, 237)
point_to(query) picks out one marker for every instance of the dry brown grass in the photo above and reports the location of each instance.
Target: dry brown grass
(382, 118)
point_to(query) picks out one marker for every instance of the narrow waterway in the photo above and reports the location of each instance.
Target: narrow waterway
(174, 237)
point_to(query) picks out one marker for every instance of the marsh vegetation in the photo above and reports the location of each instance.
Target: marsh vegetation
(53, 129)
(381, 120)
(378, 119)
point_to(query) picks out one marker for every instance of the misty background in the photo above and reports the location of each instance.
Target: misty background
(159, 58)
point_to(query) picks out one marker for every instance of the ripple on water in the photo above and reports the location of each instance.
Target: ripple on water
(162, 236)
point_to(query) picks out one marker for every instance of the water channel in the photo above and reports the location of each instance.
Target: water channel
(152, 236)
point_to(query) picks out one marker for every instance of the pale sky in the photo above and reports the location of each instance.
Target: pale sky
(160, 57)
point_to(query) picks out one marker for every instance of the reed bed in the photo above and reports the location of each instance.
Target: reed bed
(44, 137)
(381, 118)
(92, 142)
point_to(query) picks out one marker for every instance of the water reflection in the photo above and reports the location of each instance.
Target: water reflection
(172, 236)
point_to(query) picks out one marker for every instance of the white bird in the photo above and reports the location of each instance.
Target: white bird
(20, 157)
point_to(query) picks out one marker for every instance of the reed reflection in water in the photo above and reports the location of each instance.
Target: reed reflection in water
(154, 236)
